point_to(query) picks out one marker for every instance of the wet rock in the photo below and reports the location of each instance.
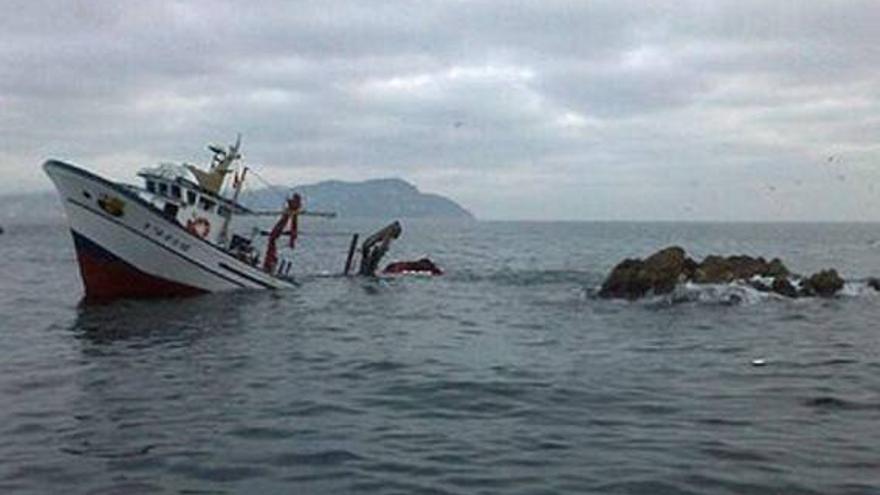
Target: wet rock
(746, 267)
(624, 281)
(713, 270)
(874, 283)
(662, 271)
(776, 269)
(667, 267)
(721, 270)
(659, 273)
(782, 286)
(825, 283)
(760, 285)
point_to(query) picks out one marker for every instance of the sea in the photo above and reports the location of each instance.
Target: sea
(506, 375)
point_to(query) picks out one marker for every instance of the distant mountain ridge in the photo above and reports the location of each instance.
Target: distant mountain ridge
(367, 199)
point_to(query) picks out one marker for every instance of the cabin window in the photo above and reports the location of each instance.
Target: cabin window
(163, 189)
(206, 204)
(175, 191)
(151, 186)
(191, 197)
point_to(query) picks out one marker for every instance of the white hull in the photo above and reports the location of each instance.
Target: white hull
(138, 251)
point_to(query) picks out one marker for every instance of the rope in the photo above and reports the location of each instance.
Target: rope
(283, 195)
(275, 189)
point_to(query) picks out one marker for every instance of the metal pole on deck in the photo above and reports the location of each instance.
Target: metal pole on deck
(225, 228)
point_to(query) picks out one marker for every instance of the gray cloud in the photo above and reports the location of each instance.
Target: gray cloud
(551, 109)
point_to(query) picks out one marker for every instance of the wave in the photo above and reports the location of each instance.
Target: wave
(733, 293)
(738, 293)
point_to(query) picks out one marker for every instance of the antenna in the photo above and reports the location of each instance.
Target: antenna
(234, 149)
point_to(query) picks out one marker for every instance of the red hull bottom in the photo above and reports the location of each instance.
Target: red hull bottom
(107, 277)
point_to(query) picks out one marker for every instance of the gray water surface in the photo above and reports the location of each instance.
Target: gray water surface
(503, 376)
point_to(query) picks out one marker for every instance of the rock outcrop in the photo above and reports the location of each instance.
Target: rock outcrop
(824, 284)
(784, 287)
(662, 271)
(721, 270)
(659, 273)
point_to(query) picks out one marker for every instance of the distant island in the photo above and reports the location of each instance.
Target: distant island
(385, 198)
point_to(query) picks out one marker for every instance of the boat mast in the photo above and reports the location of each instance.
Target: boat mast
(238, 185)
(220, 166)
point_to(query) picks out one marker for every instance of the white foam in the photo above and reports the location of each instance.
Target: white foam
(732, 293)
(857, 288)
(739, 292)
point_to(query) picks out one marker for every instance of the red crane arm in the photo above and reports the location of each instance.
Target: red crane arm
(294, 205)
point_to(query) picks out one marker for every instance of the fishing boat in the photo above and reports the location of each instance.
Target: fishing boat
(173, 235)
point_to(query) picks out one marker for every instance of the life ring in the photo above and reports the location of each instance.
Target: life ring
(199, 227)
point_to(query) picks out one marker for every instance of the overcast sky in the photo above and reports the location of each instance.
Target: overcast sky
(723, 110)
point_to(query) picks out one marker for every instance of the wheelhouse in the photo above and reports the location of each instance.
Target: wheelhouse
(204, 203)
(176, 191)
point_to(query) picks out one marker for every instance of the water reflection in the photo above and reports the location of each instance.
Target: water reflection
(163, 320)
(158, 379)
